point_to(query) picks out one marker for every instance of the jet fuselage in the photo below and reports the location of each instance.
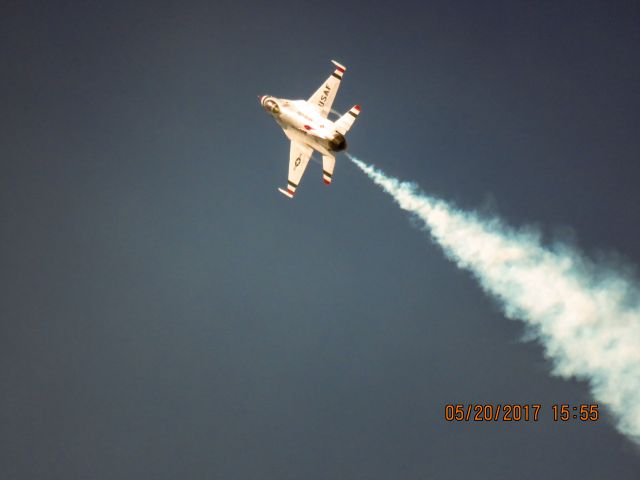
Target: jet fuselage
(306, 124)
(302, 123)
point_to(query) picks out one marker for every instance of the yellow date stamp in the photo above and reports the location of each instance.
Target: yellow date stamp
(492, 412)
(518, 412)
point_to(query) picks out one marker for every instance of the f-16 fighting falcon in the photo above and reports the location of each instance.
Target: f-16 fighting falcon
(305, 123)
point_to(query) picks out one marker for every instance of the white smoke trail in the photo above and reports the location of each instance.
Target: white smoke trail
(586, 316)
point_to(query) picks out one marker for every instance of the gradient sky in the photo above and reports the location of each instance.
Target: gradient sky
(166, 313)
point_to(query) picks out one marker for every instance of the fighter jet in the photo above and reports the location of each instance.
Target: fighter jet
(306, 124)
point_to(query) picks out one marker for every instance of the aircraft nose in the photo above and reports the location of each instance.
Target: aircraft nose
(261, 97)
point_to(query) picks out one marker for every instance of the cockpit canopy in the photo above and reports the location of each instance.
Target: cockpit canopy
(270, 105)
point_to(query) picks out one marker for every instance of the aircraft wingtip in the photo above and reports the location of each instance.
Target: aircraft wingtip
(341, 67)
(286, 193)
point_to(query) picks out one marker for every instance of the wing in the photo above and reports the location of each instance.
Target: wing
(299, 156)
(326, 94)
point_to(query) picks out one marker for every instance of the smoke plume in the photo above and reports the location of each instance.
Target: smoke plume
(587, 316)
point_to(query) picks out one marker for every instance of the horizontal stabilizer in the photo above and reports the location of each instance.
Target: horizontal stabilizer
(344, 123)
(328, 164)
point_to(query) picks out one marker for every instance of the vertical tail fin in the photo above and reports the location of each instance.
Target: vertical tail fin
(344, 123)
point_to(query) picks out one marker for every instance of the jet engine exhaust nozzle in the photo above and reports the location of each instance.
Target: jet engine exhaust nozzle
(338, 143)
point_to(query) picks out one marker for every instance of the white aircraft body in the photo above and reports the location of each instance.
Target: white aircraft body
(306, 124)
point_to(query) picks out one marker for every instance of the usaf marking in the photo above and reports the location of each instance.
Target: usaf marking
(324, 96)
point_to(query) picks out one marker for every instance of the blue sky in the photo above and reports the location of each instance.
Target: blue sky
(167, 313)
